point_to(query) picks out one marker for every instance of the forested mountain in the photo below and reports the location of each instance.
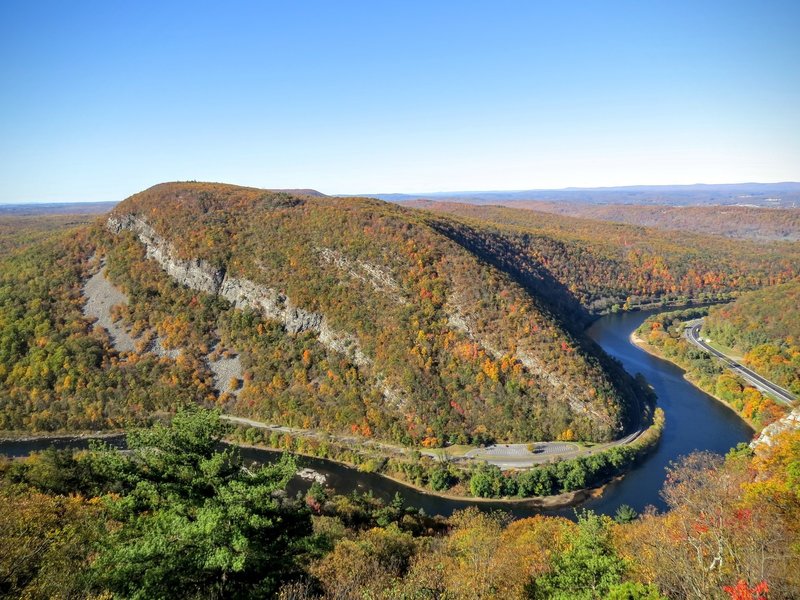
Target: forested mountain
(603, 264)
(359, 316)
(763, 326)
(348, 315)
(354, 316)
(394, 329)
(745, 222)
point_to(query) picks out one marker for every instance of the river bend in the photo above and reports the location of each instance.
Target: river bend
(694, 421)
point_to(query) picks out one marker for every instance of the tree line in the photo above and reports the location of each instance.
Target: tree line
(179, 516)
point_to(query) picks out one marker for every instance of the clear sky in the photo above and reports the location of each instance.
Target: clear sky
(99, 100)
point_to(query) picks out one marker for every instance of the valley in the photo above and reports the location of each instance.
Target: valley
(283, 338)
(399, 301)
(439, 358)
(695, 421)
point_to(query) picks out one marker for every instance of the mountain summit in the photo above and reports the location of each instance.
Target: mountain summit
(383, 324)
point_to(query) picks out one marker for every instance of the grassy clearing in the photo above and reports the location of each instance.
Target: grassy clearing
(729, 352)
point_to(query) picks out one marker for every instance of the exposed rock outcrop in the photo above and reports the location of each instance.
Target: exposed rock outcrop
(101, 296)
(379, 278)
(225, 369)
(200, 275)
(769, 434)
(195, 274)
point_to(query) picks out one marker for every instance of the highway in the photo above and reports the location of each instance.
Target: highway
(692, 333)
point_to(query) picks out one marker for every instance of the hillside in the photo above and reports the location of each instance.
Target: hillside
(763, 326)
(394, 330)
(609, 265)
(746, 222)
(354, 316)
(347, 315)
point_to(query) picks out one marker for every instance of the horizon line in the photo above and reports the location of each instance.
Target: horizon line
(443, 192)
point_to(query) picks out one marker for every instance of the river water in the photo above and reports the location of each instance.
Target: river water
(694, 421)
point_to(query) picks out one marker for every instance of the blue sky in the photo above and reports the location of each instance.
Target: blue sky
(99, 100)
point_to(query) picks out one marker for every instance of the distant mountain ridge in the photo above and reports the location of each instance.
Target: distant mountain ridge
(61, 208)
(746, 222)
(604, 264)
(782, 194)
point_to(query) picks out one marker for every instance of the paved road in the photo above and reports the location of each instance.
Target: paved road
(317, 434)
(692, 333)
(505, 456)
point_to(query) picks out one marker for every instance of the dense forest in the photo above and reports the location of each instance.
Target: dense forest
(608, 266)
(763, 327)
(417, 327)
(58, 372)
(178, 516)
(425, 328)
(398, 331)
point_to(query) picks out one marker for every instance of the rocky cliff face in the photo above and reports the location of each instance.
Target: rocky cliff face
(242, 293)
(194, 274)
(767, 437)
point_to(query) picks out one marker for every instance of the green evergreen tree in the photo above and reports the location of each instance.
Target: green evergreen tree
(587, 570)
(625, 514)
(194, 522)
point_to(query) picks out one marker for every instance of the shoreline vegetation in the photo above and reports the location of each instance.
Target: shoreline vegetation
(564, 500)
(661, 335)
(574, 481)
(555, 484)
(703, 300)
(653, 351)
